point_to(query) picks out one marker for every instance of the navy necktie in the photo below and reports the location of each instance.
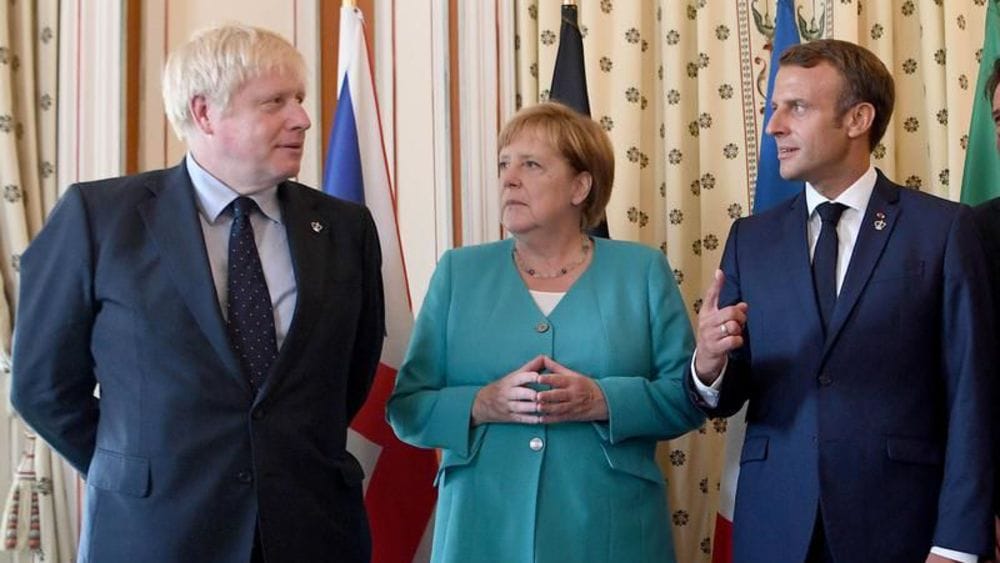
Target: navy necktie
(824, 266)
(251, 316)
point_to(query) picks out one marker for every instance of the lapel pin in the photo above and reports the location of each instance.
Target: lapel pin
(879, 221)
(317, 226)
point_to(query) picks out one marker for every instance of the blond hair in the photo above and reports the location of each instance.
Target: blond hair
(217, 62)
(580, 140)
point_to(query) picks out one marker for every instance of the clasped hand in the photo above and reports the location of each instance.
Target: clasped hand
(571, 397)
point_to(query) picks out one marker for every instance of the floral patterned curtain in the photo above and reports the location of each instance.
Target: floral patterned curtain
(680, 86)
(35, 520)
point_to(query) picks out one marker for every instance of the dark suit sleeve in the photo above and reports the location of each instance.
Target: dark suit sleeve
(966, 490)
(371, 326)
(987, 218)
(735, 384)
(53, 371)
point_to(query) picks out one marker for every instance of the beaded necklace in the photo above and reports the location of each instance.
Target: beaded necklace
(560, 272)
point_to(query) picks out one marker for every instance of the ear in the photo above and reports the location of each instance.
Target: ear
(581, 187)
(200, 114)
(858, 120)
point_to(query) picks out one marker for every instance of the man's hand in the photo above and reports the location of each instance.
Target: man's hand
(507, 399)
(719, 331)
(573, 397)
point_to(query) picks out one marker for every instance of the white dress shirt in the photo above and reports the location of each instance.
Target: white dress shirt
(212, 198)
(855, 197)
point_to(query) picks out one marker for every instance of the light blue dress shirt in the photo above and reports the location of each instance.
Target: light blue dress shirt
(212, 198)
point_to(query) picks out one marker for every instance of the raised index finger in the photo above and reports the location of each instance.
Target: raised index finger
(711, 300)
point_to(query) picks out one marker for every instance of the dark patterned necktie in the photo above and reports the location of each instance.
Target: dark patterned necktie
(251, 316)
(824, 266)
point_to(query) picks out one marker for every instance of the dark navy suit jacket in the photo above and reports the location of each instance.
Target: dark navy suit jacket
(181, 460)
(884, 420)
(988, 218)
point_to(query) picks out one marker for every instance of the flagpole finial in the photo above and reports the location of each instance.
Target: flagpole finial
(349, 3)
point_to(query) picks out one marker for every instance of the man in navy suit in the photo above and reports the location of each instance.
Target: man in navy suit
(988, 219)
(850, 320)
(230, 319)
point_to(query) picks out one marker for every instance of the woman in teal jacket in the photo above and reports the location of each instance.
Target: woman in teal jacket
(546, 367)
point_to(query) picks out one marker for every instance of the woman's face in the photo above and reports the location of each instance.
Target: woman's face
(539, 188)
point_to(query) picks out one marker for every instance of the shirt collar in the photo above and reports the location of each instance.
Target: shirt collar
(856, 196)
(213, 196)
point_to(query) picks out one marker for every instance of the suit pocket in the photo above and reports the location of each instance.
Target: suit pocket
(120, 473)
(754, 449)
(914, 450)
(634, 458)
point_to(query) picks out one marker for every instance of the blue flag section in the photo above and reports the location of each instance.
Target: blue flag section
(771, 188)
(342, 175)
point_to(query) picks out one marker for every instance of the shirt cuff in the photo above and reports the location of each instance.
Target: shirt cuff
(708, 393)
(956, 555)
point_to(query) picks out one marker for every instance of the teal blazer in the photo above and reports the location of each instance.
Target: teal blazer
(581, 492)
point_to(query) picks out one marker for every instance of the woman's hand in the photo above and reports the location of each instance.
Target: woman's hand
(572, 398)
(507, 399)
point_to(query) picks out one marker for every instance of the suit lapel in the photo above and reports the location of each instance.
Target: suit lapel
(172, 219)
(308, 233)
(876, 228)
(794, 243)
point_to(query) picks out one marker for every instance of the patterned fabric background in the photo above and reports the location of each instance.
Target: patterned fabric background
(35, 521)
(679, 85)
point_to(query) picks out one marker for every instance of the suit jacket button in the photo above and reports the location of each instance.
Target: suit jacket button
(244, 476)
(542, 327)
(536, 444)
(825, 380)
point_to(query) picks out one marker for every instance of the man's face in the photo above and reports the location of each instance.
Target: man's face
(996, 116)
(813, 142)
(257, 141)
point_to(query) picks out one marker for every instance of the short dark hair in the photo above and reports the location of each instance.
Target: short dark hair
(865, 77)
(993, 81)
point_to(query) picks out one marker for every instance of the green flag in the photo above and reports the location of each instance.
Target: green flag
(981, 180)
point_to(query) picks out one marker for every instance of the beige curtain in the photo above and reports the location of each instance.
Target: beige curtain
(36, 515)
(679, 85)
